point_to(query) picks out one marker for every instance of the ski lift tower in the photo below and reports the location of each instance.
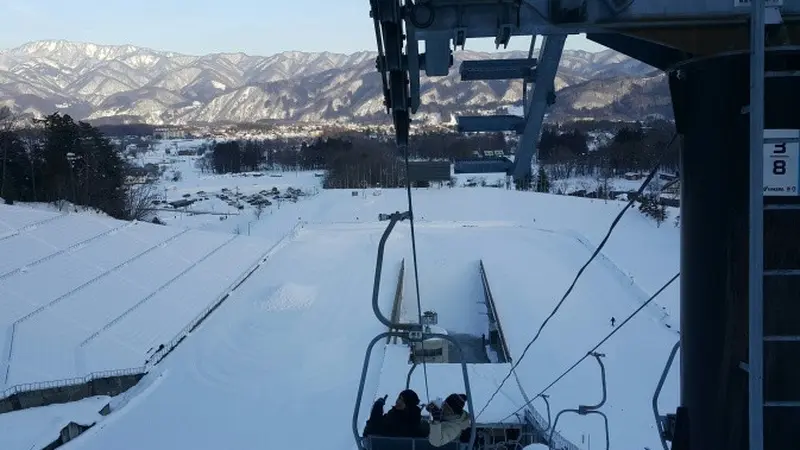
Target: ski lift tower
(736, 246)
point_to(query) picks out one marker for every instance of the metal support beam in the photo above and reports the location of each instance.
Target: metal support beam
(650, 53)
(491, 18)
(498, 69)
(490, 124)
(756, 239)
(543, 91)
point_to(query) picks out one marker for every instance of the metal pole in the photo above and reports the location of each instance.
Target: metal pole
(756, 250)
(659, 386)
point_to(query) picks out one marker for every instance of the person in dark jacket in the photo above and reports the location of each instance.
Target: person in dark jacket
(404, 419)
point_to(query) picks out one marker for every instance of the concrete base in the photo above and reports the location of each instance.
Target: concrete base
(68, 433)
(110, 386)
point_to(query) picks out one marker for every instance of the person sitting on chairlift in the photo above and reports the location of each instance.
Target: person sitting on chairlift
(448, 421)
(403, 420)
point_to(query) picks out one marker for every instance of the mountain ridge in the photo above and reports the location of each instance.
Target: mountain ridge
(130, 83)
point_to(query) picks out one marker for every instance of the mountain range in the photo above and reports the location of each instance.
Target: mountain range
(129, 84)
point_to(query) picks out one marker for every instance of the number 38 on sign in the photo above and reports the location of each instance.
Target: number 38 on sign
(781, 163)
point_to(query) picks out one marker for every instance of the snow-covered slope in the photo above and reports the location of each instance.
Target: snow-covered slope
(285, 350)
(84, 294)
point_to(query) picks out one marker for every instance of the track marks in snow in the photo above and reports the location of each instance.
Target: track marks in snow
(103, 276)
(74, 247)
(657, 312)
(30, 226)
(153, 294)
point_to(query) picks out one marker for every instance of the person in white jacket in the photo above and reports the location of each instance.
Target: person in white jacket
(448, 421)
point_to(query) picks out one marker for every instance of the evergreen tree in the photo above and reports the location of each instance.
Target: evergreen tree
(524, 183)
(542, 180)
(63, 161)
(651, 207)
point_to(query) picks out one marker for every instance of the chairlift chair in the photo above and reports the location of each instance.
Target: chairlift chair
(413, 332)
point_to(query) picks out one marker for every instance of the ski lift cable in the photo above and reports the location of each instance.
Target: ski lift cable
(599, 344)
(416, 270)
(638, 194)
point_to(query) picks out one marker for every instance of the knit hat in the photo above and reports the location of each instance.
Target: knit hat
(456, 402)
(410, 397)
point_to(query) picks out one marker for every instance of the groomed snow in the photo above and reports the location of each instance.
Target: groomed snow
(283, 353)
(286, 349)
(10, 223)
(84, 293)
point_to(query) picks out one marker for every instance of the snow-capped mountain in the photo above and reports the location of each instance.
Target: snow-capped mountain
(128, 83)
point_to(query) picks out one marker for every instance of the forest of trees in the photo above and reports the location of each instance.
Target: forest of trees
(628, 148)
(59, 159)
(351, 160)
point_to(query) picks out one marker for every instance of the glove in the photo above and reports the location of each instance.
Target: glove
(436, 412)
(377, 408)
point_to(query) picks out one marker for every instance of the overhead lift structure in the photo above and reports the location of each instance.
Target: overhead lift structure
(733, 68)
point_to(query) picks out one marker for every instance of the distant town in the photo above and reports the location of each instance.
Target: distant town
(278, 131)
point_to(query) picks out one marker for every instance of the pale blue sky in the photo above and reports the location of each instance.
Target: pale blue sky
(257, 27)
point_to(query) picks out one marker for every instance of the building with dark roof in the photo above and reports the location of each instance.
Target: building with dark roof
(482, 165)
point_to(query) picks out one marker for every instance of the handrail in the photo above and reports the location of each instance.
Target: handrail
(393, 219)
(547, 403)
(408, 377)
(487, 292)
(659, 421)
(557, 440)
(39, 385)
(585, 410)
(423, 336)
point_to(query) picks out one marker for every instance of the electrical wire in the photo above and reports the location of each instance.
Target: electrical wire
(416, 271)
(582, 269)
(599, 344)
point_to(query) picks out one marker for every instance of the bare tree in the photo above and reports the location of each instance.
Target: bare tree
(139, 200)
(603, 179)
(204, 164)
(259, 210)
